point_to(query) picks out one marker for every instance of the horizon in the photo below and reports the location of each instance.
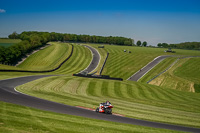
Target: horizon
(152, 21)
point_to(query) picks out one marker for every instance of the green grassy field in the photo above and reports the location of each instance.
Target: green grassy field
(131, 99)
(8, 42)
(20, 119)
(48, 58)
(191, 72)
(79, 60)
(184, 75)
(123, 64)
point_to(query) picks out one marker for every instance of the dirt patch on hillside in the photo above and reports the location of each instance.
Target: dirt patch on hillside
(192, 87)
(157, 81)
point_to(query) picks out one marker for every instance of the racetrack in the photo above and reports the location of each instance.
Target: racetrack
(147, 68)
(8, 94)
(95, 60)
(139, 74)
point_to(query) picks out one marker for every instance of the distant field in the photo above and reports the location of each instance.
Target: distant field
(8, 42)
(15, 118)
(184, 75)
(132, 99)
(123, 64)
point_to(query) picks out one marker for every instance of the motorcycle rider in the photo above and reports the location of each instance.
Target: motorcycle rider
(105, 108)
(107, 103)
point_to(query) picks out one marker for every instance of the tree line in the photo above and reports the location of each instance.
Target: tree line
(33, 39)
(184, 45)
(53, 36)
(139, 43)
(14, 53)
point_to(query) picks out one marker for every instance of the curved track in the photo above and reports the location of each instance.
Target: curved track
(95, 60)
(8, 94)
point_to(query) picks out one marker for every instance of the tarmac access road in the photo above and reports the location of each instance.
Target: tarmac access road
(9, 94)
(139, 74)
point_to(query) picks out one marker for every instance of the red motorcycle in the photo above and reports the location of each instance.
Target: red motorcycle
(105, 108)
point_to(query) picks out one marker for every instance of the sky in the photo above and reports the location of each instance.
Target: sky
(154, 21)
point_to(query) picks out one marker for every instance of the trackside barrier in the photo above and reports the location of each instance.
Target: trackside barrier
(41, 71)
(103, 64)
(97, 76)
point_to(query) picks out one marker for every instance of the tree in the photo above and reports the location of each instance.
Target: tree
(144, 44)
(14, 35)
(165, 45)
(159, 45)
(2, 54)
(35, 40)
(138, 43)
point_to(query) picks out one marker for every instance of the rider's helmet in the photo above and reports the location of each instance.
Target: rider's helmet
(107, 102)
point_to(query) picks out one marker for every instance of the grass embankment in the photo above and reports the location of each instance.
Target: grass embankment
(123, 64)
(8, 42)
(15, 118)
(7, 67)
(48, 58)
(184, 75)
(79, 60)
(190, 71)
(136, 100)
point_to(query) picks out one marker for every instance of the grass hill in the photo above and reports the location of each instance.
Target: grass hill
(48, 58)
(133, 99)
(190, 71)
(123, 64)
(183, 75)
(79, 60)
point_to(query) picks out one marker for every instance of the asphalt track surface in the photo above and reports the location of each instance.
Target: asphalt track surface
(139, 74)
(8, 94)
(95, 60)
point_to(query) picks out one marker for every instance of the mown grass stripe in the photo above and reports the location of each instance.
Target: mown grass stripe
(117, 89)
(104, 88)
(91, 88)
